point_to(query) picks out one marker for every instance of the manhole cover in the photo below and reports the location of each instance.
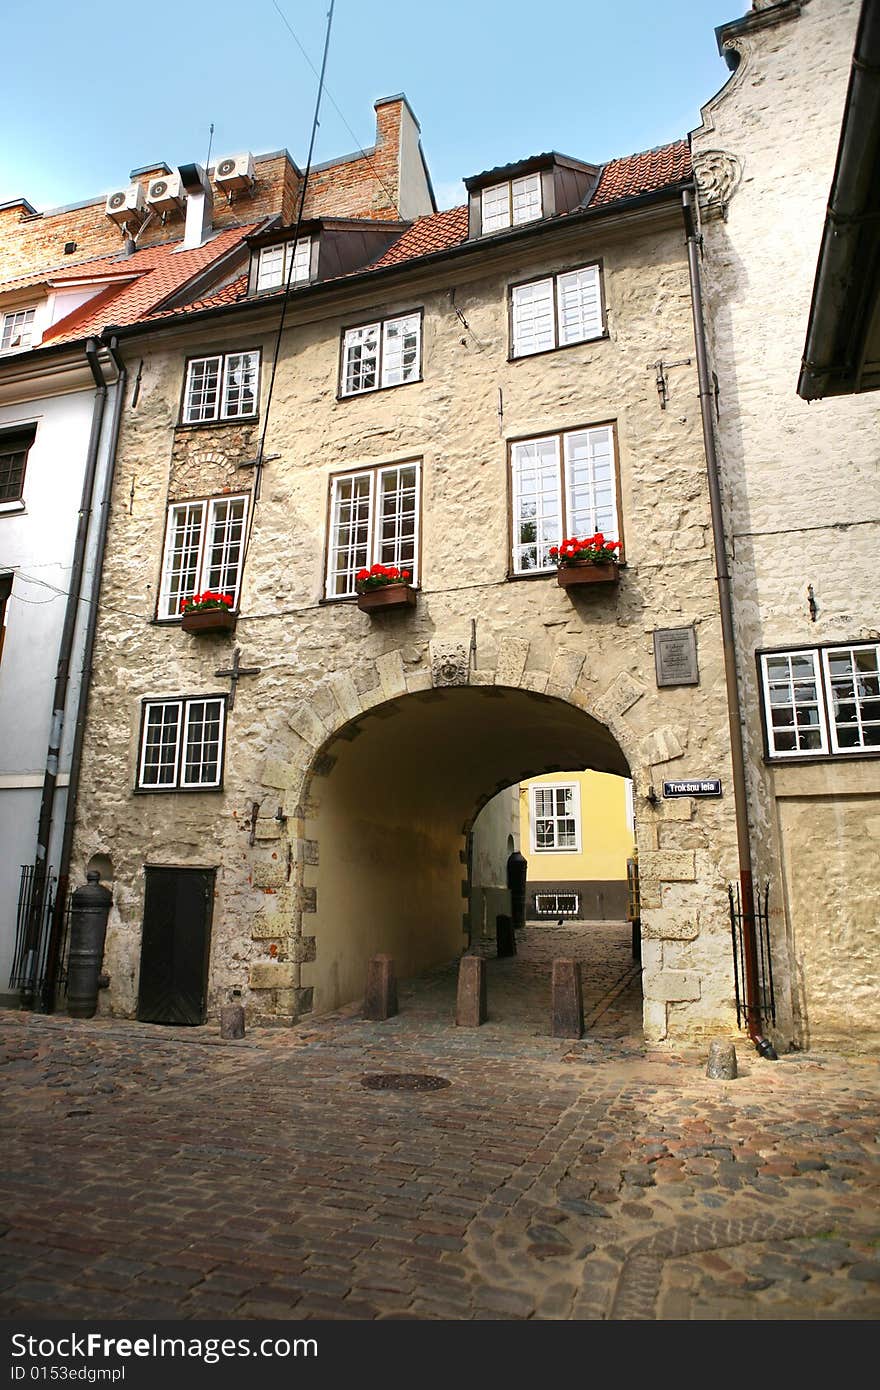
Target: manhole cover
(402, 1081)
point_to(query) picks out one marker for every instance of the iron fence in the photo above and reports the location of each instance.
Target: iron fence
(739, 919)
(37, 906)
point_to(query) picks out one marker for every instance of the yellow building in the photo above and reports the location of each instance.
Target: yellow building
(577, 832)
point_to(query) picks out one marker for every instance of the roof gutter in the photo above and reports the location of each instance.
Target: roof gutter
(849, 256)
(725, 603)
(53, 950)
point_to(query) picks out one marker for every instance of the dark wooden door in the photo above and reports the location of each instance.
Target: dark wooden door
(174, 948)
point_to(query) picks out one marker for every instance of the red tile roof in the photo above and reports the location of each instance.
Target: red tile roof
(437, 232)
(643, 173)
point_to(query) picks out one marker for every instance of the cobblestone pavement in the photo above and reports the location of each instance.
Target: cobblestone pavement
(155, 1172)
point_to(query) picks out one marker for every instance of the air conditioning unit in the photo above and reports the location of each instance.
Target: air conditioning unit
(235, 171)
(126, 205)
(166, 194)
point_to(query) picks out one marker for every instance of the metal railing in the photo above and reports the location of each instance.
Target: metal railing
(738, 923)
(37, 891)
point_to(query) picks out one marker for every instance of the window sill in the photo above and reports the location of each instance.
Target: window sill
(514, 576)
(216, 424)
(352, 598)
(376, 390)
(174, 791)
(12, 508)
(604, 337)
(858, 755)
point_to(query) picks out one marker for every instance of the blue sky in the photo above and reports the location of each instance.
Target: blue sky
(102, 88)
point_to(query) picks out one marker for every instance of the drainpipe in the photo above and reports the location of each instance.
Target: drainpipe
(62, 676)
(725, 601)
(53, 951)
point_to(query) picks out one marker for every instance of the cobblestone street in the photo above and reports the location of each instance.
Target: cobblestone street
(155, 1173)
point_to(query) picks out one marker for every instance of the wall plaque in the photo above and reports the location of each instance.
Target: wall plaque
(675, 656)
(695, 786)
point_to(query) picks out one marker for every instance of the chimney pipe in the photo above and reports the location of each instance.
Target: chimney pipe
(199, 205)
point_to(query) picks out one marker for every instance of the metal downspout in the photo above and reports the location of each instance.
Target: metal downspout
(725, 601)
(55, 935)
(62, 677)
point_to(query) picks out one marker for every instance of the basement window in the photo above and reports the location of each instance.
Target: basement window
(556, 904)
(820, 701)
(561, 485)
(374, 519)
(223, 387)
(556, 311)
(381, 354)
(18, 330)
(510, 203)
(203, 551)
(181, 745)
(274, 268)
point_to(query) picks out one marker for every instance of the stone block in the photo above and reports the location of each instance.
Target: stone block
(269, 873)
(673, 986)
(721, 1065)
(275, 974)
(345, 694)
(303, 720)
(482, 677)
(564, 670)
(567, 1007)
(668, 866)
(278, 774)
(306, 851)
(450, 663)
(682, 808)
(273, 926)
(232, 1021)
(391, 676)
(534, 680)
(470, 1004)
(620, 696)
(309, 899)
(661, 746)
(512, 655)
(669, 924)
(418, 680)
(380, 995)
(654, 1020)
(295, 1002)
(267, 828)
(302, 950)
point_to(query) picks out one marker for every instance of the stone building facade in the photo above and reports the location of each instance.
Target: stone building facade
(803, 514)
(363, 746)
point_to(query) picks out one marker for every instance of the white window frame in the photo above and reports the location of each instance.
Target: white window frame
(540, 788)
(805, 654)
(184, 705)
(385, 375)
(220, 410)
(850, 648)
(374, 544)
(27, 314)
(558, 510)
(524, 297)
(556, 910)
(517, 190)
(202, 514)
(299, 252)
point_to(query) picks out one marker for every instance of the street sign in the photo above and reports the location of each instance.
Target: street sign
(697, 786)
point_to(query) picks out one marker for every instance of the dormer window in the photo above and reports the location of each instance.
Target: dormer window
(18, 329)
(275, 261)
(510, 203)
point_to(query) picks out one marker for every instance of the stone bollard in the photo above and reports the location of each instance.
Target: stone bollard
(380, 996)
(505, 935)
(722, 1060)
(232, 1021)
(470, 1005)
(567, 1007)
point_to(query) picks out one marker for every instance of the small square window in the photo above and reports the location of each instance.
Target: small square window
(511, 203)
(275, 262)
(14, 448)
(18, 330)
(223, 387)
(556, 311)
(381, 354)
(182, 744)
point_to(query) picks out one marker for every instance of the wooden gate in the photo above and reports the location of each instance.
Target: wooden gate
(176, 941)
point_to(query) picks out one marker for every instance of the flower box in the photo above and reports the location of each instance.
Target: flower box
(386, 598)
(587, 572)
(209, 620)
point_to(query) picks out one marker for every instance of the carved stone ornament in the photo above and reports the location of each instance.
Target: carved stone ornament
(450, 663)
(718, 175)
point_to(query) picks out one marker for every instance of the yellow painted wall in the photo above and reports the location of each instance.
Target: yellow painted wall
(606, 838)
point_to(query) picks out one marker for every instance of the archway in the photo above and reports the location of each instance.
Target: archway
(391, 799)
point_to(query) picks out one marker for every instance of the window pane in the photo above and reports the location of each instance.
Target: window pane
(361, 360)
(160, 745)
(554, 812)
(533, 327)
(222, 568)
(202, 390)
(398, 502)
(180, 571)
(400, 350)
(495, 207)
(853, 680)
(18, 329)
(302, 261)
(580, 309)
(202, 742)
(589, 474)
(270, 273)
(527, 198)
(350, 532)
(240, 386)
(12, 466)
(537, 518)
(793, 703)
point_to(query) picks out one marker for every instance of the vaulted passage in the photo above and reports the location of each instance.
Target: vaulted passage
(392, 807)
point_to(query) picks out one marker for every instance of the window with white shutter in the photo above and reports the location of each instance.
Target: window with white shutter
(556, 818)
(204, 543)
(223, 387)
(381, 354)
(556, 311)
(374, 519)
(561, 485)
